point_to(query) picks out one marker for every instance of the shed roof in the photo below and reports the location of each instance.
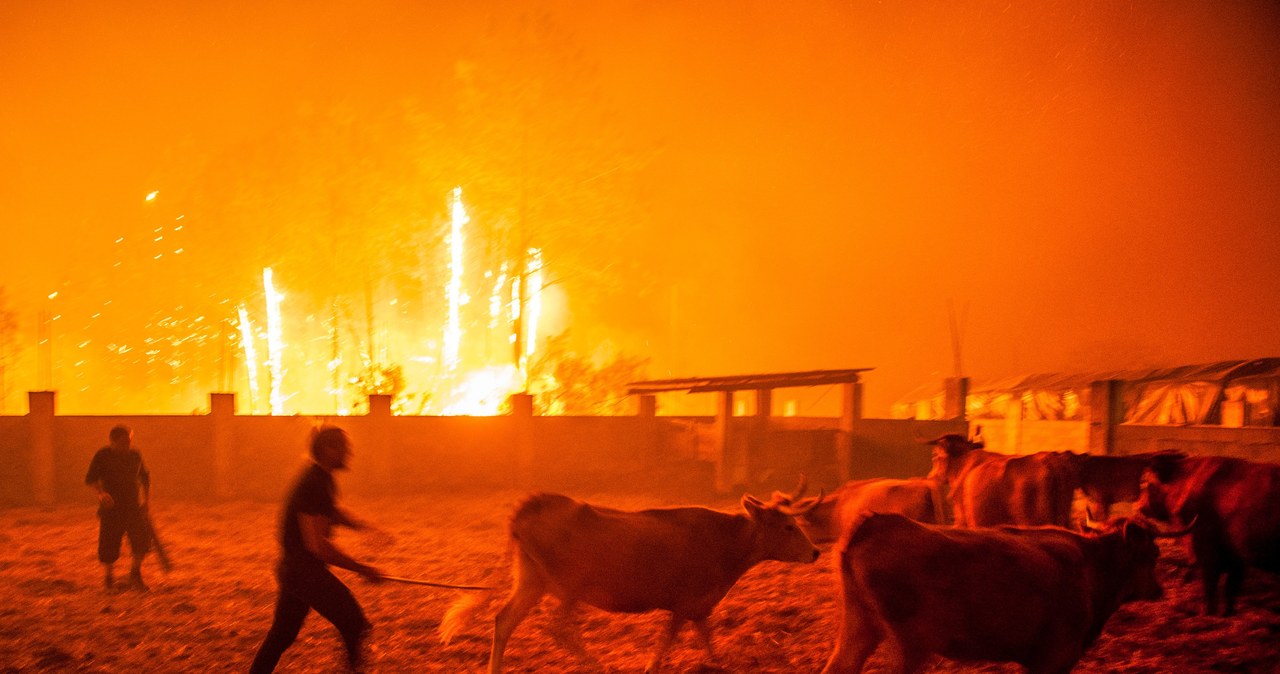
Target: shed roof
(747, 382)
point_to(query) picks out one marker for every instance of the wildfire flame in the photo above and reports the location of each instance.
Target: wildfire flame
(453, 329)
(275, 343)
(250, 354)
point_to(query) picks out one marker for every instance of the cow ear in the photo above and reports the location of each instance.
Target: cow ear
(752, 505)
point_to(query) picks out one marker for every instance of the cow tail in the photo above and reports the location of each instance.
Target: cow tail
(459, 615)
(462, 611)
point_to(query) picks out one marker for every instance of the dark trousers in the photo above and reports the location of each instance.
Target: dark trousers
(302, 590)
(113, 524)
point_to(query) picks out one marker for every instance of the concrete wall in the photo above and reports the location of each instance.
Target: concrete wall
(15, 477)
(1014, 436)
(896, 447)
(1256, 443)
(44, 457)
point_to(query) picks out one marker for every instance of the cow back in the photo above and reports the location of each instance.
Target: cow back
(1030, 490)
(678, 559)
(1237, 504)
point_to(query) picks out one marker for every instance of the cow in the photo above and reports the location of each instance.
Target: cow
(682, 560)
(1234, 505)
(824, 522)
(1106, 479)
(986, 488)
(1038, 596)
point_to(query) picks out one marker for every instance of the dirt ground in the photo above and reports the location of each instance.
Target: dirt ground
(210, 613)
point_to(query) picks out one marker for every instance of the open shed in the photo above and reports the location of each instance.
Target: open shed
(739, 440)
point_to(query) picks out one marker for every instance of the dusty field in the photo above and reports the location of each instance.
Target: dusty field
(211, 612)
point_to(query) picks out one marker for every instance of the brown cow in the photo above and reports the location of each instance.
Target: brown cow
(1108, 479)
(681, 560)
(986, 488)
(1235, 507)
(826, 518)
(1037, 596)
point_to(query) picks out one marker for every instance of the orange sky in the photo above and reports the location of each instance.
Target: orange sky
(1092, 185)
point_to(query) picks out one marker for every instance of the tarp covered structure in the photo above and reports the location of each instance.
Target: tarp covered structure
(1235, 392)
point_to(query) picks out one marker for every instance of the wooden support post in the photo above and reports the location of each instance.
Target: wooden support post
(648, 406)
(1013, 426)
(1106, 411)
(726, 462)
(850, 413)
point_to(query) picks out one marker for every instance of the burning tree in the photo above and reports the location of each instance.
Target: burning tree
(565, 382)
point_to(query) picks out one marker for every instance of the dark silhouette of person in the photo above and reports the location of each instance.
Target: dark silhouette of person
(307, 550)
(123, 484)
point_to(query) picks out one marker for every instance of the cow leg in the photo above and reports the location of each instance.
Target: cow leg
(704, 638)
(664, 643)
(529, 588)
(858, 635)
(912, 658)
(567, 631)
(901, 657)
(1210, 575)
(1235, 578)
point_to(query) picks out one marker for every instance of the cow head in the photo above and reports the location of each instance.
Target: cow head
(1157, 500)
(777, 535)
(814, 513)
(947, 450)
(1133, 551)
(1135, 545)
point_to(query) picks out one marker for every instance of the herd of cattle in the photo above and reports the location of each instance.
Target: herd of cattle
(976, 561)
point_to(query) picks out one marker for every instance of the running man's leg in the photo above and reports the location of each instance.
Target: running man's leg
(333, 600)
(290, 614)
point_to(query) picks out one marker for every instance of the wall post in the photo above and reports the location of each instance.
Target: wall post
(1106, 411)
(41, 407)
(526, 453)
(955, 392)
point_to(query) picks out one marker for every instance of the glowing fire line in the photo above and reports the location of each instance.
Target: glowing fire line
(250, 355)
(453, 329)
(275, 343)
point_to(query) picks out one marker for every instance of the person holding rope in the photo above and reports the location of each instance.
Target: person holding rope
(123, 484)
(307, 550)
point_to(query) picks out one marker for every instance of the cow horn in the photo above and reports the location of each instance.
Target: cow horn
(1175, 533)
(788, 510)
(801, 486)
(1090, 524)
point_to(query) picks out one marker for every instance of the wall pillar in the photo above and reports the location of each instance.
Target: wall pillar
(526, 454)
(955, 392)
(1106, 411)
(42, 408)
(222, 411)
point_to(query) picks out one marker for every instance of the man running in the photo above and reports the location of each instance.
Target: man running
(124, 488)
(307, 548)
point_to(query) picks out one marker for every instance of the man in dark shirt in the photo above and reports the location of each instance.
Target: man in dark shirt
(124, 488)
(310, 513)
